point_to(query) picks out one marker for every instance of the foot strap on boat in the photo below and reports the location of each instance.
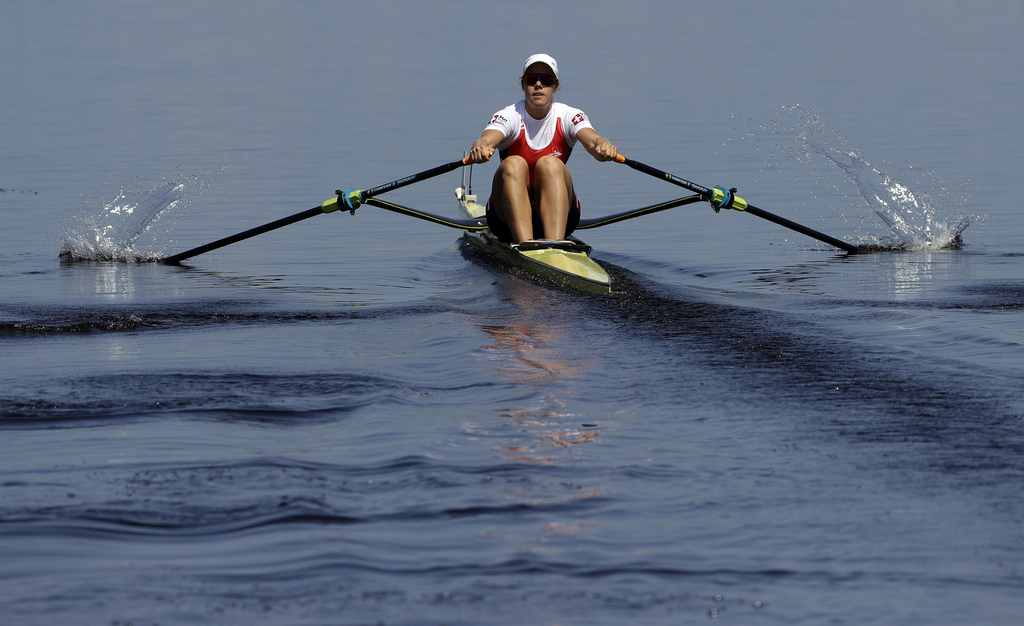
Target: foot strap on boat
(566, 244)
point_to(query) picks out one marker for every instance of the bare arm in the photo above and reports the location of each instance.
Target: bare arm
(484, 147)
(598, 147)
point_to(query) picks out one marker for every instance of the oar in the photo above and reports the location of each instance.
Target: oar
(350, 199)
(721, 198)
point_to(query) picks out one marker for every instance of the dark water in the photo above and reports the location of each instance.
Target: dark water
(354, 420)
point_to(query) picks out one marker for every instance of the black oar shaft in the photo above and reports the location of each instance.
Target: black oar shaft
(415, 178)
(810, 232)
(707, 193)
(655, 172)
(324, 208)
(252, 232)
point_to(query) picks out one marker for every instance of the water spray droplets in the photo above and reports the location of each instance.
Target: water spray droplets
(113, 233)
(916, 219)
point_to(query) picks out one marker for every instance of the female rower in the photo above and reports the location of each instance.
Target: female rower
(532, 194)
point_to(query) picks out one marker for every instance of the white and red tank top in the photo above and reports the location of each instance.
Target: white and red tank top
(531, 138)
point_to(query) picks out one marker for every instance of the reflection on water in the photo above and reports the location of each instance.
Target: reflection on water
(115, 281)
(892, 275)
(805, 278)
(916, 275)
(524, 356)
(527, 360)
(529, 350)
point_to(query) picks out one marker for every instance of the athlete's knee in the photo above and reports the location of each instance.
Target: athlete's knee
(514, 166)
(513, 172)
(549, 164)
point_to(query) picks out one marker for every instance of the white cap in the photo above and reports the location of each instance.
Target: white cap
(541, 58)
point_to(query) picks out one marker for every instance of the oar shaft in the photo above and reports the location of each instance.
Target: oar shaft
(741, 205)
(675, 180)
(415, 178)
(252, 232)
(327, 207)
(810, 232)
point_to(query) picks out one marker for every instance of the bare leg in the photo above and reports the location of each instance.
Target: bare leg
(554, 192)
(510, 197)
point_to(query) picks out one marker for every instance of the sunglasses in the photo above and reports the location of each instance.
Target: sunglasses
(545, 79)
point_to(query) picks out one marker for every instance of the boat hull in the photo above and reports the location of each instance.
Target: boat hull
(565, 263)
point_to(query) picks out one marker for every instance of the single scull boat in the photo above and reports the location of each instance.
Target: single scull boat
(566, 262)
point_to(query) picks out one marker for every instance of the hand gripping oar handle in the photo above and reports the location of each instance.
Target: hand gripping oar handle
(721, 198)
(351, 199)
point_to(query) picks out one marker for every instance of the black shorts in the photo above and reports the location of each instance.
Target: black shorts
(504, 233)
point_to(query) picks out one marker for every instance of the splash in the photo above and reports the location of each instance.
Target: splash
(114, 233)
(912, 217)
(919, 215)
